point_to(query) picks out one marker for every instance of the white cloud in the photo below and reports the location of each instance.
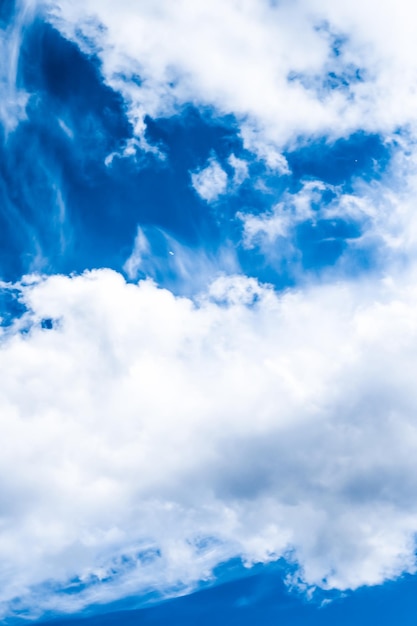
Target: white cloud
(382, 210)
(278, 223)
(267, 63)
(264, 423)
(240, 167)
(210, 182)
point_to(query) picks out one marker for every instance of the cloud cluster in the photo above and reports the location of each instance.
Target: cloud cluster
(285, 69)
(157, 437)
(379, 213)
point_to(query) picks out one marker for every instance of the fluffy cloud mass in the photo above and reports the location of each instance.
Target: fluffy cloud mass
(285, 69)
(147, 436)
(210, 182)
(247, 424)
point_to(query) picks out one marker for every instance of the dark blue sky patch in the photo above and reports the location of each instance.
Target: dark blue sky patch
(52, 65)
(339, 163)
(47, 323)
(11, 306)
(323, 241)
(191, 137)
(31, 175)
(259, 596)
(7, 10)
(76, 213)
(74, 121)
(189, 140)
(62, 209)
(14, 236)
(67, 90)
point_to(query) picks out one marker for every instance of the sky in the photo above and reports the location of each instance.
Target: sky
(208, 312)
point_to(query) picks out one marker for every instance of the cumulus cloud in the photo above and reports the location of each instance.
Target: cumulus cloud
(210, 182)
(158, 436)
(285, 70)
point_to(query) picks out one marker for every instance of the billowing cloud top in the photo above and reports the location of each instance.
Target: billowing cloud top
(209, 329)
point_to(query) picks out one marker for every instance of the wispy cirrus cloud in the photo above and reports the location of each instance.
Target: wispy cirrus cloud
(13, 98)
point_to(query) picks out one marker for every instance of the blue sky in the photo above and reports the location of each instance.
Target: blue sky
(261, 598)
(208, 312)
